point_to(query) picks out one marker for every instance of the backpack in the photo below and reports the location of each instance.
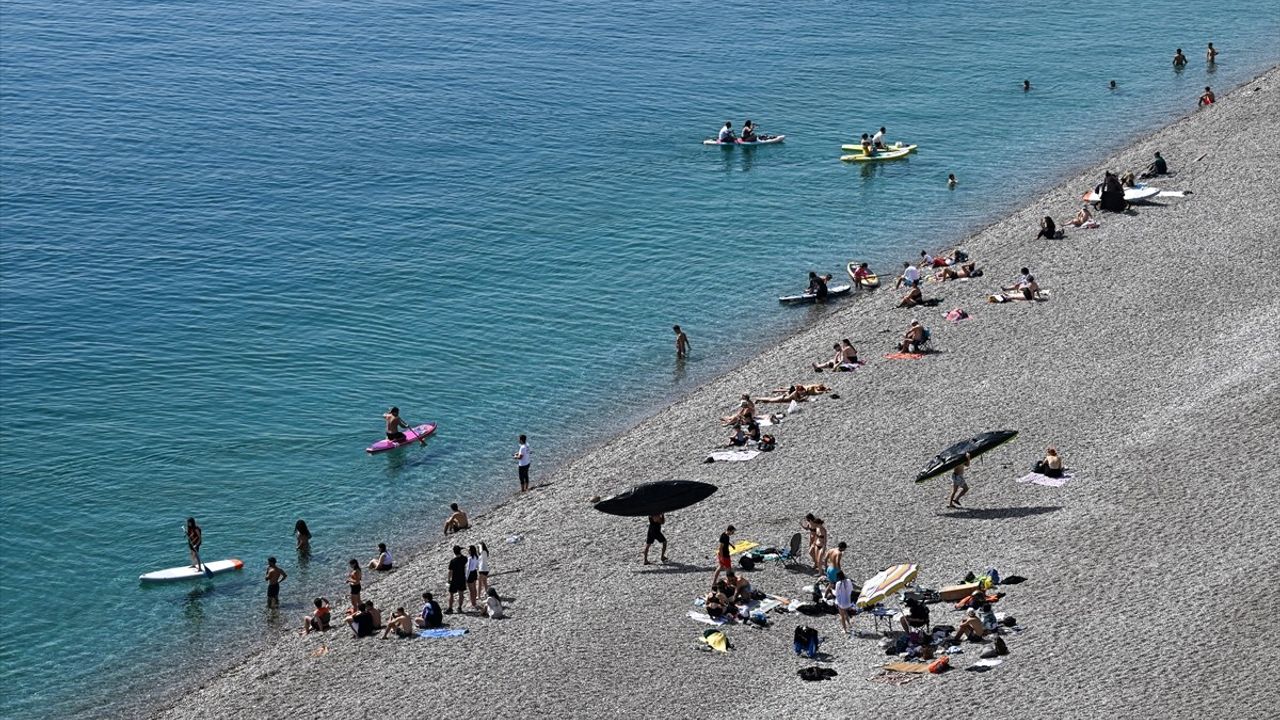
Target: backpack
(746, 562)
(814, 673)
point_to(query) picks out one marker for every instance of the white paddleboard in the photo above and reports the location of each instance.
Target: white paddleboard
(187, 572)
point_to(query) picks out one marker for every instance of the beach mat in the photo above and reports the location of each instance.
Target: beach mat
(733, 455)
(907, 667)
(742, 546)
(1038, 479)
(705, 618)
(442, 632)
(904, 356)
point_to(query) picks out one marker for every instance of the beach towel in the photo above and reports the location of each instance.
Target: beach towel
(907, 667)
(1174, 193)
(904, 356)
(1038, 479)
(732, 455)
(984, 664)
(706, 619)
(955, 315)
(742, 546)
(442, 632)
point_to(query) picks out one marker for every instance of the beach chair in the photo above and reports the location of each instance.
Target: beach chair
(791, 551)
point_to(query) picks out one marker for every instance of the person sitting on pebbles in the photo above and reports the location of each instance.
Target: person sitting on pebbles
(914, 338)
(1084, 218)
(913, 298)
(1051, 465)
(382, 562)
(846, 358)
(738, 438)
(745, 413)
(737, 588)
(400, 623)
(795, 392)
(1028, 289)
(457, 521)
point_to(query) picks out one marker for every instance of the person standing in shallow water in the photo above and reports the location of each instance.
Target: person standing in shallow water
(1179, 60)
(522, 458)
(274, 576)
(682, 342)
(1211, 55)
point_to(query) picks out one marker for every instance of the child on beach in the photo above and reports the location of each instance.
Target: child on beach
(958, 485)
(274, 576)
(317, 621)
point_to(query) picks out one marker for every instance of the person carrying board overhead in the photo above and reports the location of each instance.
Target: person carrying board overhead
(195, 538)
(394, 425)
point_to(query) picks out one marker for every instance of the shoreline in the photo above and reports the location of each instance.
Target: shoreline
(595, 457)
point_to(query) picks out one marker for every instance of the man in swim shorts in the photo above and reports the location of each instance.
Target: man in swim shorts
(394, 423)
(457, 520)
(682, 342)
(655, 536)
(724, 561)
(274, 576)
(833, 558)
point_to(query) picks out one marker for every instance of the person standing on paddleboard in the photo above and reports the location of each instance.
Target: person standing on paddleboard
(195, 537)
(522, 459)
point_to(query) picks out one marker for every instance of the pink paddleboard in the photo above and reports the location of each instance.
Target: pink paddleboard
(411, 435)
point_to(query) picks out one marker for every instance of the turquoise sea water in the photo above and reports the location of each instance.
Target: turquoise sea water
(232, 233)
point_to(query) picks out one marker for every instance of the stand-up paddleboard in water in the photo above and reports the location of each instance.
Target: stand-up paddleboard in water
(656, 497)
(881, 155)
(411, 435)
(973, 447)
(190, 572)
(808, 297)
(869, 281)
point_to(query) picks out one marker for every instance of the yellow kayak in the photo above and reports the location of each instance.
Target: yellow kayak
(857, 148)
(882, 155)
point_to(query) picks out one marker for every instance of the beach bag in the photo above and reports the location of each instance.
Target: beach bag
(939, 665)
(815, 673)
(746, 562)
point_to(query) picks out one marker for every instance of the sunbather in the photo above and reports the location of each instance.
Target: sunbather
(912, 298)
(738, 438)
(967, 270)
(400, 623)
(457, 520)
(746, 412)
(846, 357)
(971, 628)
(1023, 274)
(737, 588)
(817, 538)
(915, 614)
(364, 620)
(914, 338)
(795, 392)
(1048, 230)
(1051, 465)
(833, 363)
(1028, 290)
(1084, 218)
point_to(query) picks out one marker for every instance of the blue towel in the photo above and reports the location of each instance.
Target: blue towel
(442, 633)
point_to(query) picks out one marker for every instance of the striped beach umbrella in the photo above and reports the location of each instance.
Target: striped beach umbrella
(886, 583)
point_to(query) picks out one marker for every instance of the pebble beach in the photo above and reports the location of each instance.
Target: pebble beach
(1154, 368)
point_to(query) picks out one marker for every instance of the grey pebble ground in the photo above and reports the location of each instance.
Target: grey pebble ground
(1152, 575)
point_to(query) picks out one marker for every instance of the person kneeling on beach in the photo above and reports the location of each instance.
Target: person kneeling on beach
(383, 560)
(1051, 465)
(430, 616)
(400, 623)
(914, 339)
(457, 520)
(317, 621)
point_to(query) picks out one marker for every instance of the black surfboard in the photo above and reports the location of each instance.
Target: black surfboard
(954, 455)
(656, 497)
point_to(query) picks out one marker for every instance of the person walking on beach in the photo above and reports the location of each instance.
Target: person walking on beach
(457, 578)
(1179, 60)
(846, 596)
(654, 535)
(353, 581)
(274, 575)
(682, 342)
(1211, 55)
(522, 463)
(724, 561)
(817, 538)
(958, 485)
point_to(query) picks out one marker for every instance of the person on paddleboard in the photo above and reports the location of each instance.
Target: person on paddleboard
(817, 285)
(748, 132)
(394, 424)
(877, 140)
(726, 133)
(195, 537)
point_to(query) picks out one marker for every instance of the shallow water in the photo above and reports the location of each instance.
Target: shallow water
(231, 235)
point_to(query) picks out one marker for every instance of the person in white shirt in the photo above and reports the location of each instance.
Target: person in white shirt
(383, 560)
(910, 276)
(493, 606)
(726, 133)
(877, 140)
(846, 596)
(522, 463)
(482, 570)
(473, 574)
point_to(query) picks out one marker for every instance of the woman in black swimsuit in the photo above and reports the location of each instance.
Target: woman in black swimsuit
(353, 579)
